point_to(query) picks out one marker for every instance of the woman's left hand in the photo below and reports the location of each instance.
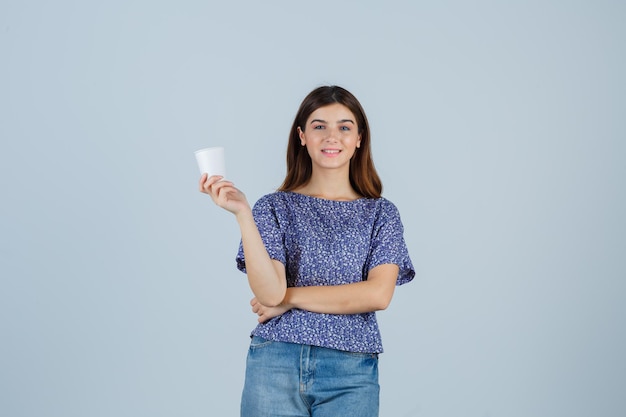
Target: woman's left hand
(266, 313)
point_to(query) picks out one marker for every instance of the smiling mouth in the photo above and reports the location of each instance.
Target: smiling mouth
(331, 151)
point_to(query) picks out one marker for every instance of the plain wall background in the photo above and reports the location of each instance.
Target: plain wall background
(498, 129)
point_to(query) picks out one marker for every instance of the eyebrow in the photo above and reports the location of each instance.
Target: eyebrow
(340, 121)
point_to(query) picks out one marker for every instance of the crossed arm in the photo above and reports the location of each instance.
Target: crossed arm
(267, 277)
(371, 295)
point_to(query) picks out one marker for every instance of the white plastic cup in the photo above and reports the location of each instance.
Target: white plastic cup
(211, 161)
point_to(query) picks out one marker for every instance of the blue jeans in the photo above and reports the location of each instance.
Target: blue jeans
(291, 380)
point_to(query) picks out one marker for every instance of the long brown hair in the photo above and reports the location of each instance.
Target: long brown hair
(363, 176)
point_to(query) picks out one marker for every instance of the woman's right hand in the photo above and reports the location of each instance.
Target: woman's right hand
(224, 193)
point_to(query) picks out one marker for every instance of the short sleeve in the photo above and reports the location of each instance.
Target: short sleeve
(267, 213)
(388, 245)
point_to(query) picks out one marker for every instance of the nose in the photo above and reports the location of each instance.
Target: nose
(333, 135)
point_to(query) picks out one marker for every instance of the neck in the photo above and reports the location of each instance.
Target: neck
(329, 185)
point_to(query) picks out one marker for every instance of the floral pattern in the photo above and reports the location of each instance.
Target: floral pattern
(328, 242)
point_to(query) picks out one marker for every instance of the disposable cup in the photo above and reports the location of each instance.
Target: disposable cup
(211, 161)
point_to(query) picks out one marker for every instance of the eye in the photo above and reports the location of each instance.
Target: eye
(318, 127)
(345, 128)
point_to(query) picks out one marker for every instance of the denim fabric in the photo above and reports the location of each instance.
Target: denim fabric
(292, 380)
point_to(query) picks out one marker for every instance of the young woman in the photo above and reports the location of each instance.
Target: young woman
(322, 254)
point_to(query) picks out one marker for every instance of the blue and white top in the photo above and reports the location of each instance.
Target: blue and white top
(328, 242)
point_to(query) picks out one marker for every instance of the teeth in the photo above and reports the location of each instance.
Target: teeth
(330, 151)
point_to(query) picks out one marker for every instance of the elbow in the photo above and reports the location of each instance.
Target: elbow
(273, 299)
(380, 303)
(380, 294)
(381, 298)
(268, 292)
(269, 302)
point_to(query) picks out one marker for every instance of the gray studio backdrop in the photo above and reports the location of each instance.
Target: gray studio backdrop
(498, 130)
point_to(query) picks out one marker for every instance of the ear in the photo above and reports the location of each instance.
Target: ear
(302, 138)
(358, 142)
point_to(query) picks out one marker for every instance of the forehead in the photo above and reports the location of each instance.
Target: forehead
(332, 113)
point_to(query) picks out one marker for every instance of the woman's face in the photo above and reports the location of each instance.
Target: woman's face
(331, 136)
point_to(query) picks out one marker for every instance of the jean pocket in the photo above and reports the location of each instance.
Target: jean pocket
(363, 355)
(258, 342)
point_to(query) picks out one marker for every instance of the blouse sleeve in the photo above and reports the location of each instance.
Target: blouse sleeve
(388, 245)
(266, 216)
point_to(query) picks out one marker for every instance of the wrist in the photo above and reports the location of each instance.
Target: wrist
(244, 215)
(288, 300)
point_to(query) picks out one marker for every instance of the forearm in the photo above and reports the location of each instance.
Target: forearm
(340, 299)
(371, 295)
(266, 280)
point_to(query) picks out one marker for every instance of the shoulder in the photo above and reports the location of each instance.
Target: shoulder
(387, 214)
(276, 201)
(387, 204)
(268, 198)
(384, 207)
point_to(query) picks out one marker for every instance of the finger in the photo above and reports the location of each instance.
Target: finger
(215, 188)
(203, 179)
(207, 182)
(217, 183)
(212, 188)
(255, 305)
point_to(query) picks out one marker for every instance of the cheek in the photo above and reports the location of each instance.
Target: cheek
(315, 137)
